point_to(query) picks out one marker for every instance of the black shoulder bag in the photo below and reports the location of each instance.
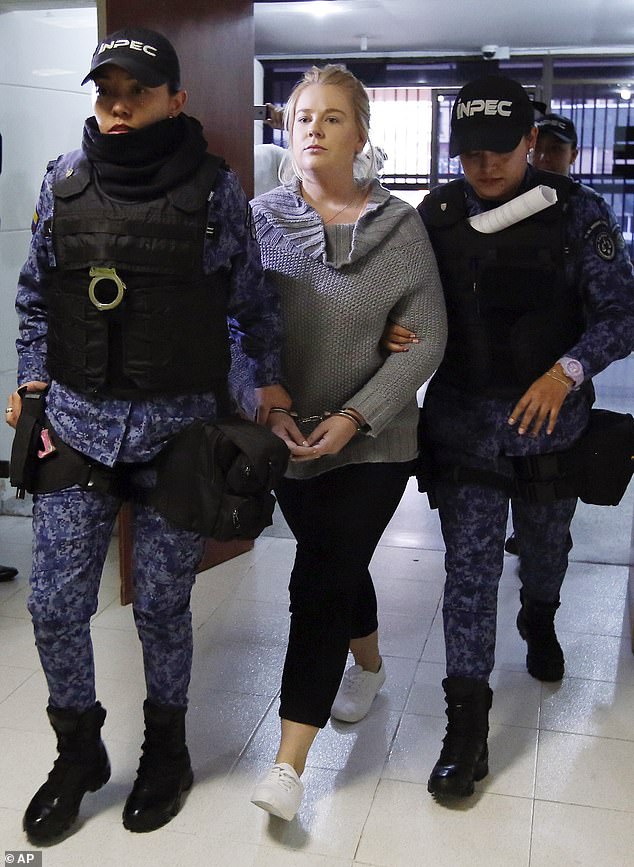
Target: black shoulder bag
(216, 478)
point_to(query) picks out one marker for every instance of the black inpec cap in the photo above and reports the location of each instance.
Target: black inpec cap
(561, 127)
(490, 114)
(147, 55)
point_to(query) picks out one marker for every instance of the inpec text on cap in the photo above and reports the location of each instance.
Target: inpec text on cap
(472, 107)
(128, 43)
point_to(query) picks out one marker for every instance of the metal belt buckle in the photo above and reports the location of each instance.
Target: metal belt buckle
(99, 274)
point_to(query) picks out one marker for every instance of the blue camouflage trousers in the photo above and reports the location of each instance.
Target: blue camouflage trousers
(72, 530)
(473, 522)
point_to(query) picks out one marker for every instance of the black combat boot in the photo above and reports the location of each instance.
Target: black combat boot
(465, 755)
(536, 625)
(82, 766)
(165, 771)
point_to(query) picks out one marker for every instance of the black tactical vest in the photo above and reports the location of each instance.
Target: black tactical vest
(511, 313)
(131, 312)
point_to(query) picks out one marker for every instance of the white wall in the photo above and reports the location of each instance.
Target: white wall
(44, 55)
(258, 98)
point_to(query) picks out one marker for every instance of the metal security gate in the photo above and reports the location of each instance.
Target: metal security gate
(603, 162)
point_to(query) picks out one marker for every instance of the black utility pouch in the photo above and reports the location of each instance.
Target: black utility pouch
(215, 478)
(602, 460)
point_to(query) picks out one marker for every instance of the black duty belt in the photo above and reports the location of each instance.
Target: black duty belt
(597, 468)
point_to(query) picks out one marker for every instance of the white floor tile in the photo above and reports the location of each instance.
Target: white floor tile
(571, 836)
(238, 666)
(516, 698)
(407, 828)
(24, 708)
(512, 761)
(589, 771)
(411, 564)
(238, 621)
(408, 597)
(415, 750)
(403, 635)
(598, 657)
(9, 590)
(11, 677)
(17, 645)
(589, 707)
(426, 695)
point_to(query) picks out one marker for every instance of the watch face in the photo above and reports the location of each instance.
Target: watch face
(572, 368)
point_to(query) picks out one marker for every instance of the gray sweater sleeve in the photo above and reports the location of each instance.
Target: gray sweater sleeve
(422, 309)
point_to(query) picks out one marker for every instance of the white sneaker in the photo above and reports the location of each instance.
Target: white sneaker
(280, 792)
(356, 693)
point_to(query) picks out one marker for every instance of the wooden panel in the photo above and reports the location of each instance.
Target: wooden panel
(215, 43)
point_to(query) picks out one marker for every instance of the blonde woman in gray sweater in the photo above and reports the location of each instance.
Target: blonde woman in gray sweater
(346, 256)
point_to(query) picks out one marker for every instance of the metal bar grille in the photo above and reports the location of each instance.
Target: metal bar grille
(402, 127)
(596, 119)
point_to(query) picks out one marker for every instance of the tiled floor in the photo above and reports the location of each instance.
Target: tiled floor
(561, 788)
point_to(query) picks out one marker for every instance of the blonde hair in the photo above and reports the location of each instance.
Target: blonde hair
(336, 75)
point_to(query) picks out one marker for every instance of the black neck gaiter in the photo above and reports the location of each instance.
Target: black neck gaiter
(144, 164)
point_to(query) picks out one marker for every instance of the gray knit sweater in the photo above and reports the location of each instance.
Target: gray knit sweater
(338, 288)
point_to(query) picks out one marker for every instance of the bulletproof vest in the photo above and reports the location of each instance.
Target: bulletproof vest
(131, 311)
(511, 313)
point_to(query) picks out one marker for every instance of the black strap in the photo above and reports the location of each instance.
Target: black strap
(532, 480)
(26, 442)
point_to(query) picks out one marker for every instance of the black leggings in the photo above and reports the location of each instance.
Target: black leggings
(337, 519)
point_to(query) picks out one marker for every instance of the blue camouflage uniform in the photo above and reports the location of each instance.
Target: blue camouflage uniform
(473, 431)
(72, 527)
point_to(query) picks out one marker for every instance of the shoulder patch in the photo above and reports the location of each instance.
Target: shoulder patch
(619, 240)
(34, 221)
(602, 240)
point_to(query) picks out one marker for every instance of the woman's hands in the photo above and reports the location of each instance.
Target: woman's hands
(328, 438)
(397, 338)
(14, 403)
(268, 396)
(283, 425)
(541, 402)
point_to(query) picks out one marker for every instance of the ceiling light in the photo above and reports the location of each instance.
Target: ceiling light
(320, 8)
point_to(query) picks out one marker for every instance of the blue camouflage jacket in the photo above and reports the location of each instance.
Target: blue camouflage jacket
(600, 267)
(109, 430)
